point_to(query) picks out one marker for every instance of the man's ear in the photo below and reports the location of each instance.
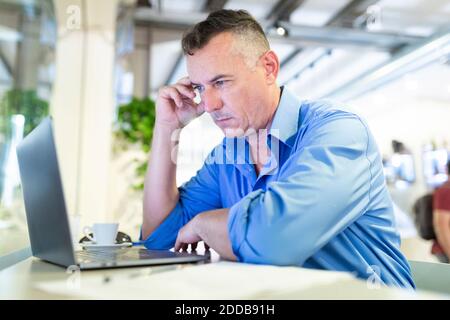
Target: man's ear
(271, 66)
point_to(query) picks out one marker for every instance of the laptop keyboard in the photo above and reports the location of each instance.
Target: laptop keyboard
(101, 256)
(87, 256)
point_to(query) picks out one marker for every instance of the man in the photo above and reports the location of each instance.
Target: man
(441, 220)
(308, 191)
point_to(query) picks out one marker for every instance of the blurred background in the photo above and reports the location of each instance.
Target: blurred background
(95, 67)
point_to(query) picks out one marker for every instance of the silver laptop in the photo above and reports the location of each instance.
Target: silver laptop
(48, 222)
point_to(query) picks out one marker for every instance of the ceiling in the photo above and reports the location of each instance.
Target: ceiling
(342, 41)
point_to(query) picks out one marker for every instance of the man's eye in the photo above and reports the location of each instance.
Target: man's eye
(198, 88)
(220, 83)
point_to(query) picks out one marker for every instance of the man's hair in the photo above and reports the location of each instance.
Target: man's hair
(252, 41)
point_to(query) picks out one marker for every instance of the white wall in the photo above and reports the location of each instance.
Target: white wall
(414, 110)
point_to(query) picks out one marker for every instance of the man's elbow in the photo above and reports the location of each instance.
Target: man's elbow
(270, 255)
(146, 231)
(150, 223)
(272, 259)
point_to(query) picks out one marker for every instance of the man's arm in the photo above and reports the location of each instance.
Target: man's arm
(211, 227)
(322, 188)
(160, 189)
(315, 198)
(175, 108)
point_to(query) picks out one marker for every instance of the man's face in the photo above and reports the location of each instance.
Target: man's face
(233, 93)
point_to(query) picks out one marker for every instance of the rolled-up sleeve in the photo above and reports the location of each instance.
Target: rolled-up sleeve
(201, 193)
(322, 188)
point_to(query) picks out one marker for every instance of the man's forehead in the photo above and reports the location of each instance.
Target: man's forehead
(209, 75)
(211, 79)
(221, 39)
(204, 70)
(207, 70)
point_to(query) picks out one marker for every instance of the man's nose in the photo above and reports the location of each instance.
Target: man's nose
(211, 100)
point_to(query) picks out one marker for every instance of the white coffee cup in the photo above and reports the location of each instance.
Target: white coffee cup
(104, 233)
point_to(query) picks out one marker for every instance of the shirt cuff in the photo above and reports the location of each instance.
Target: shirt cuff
(237, 222)
(164, 237)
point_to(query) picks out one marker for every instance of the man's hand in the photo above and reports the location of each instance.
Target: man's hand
(175, 106)
(188, 235)
(211, 227)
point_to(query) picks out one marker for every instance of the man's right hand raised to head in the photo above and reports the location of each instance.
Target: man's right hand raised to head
(175, 106)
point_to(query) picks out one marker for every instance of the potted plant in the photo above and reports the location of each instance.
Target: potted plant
(135, 123)
(24, 102)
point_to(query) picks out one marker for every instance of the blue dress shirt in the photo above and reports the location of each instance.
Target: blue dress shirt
(320, 201)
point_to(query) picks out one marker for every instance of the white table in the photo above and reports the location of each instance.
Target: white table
(35, 279)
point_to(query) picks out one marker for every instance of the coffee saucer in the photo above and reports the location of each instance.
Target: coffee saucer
(91, 245)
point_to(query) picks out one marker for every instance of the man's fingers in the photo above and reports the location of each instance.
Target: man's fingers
(185, 81)
(186, 87)
(185, 246)
(181, 95)
(177, 245)
(186, 91)
(172, 93)
(200, 108)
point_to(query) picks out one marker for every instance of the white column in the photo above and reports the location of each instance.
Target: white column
(83, 102)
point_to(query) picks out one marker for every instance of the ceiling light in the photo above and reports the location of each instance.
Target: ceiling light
(281, 31)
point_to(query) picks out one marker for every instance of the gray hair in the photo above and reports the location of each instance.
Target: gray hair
(250, 40)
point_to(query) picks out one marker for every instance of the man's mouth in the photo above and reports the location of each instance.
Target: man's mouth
(222, 120)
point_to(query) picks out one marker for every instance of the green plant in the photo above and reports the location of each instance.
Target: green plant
(25, 102)
(34, 109)
(135, 122)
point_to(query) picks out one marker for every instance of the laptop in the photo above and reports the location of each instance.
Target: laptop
(48, 222)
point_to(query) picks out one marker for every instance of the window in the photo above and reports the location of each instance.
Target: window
(27, 46)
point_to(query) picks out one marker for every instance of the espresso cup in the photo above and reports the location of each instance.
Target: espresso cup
(104, 233)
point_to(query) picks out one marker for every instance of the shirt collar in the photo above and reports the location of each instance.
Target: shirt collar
(284, 125)
(285, 121)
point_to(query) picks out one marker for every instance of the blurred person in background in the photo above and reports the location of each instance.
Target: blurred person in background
(441, 219)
